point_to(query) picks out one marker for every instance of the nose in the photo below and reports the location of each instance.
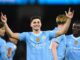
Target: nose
(36, 23)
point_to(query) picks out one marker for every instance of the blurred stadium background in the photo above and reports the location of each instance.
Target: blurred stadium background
(19, 12)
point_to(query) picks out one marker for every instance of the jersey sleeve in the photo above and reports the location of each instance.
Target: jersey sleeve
(57, 39)
(61, 41)
(61, 51)
(52, 33)
(62, 48)
(11, 45)
(22, 36)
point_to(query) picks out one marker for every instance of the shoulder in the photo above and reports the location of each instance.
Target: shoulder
(10, 44)
(68, 36)
(2, 40)
(25, 33)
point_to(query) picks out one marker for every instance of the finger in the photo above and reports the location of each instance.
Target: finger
(66, 12)
(1, 14)
(73, 12)
(69, 10)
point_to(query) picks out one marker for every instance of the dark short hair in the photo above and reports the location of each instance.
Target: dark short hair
(1, 24)
(35, 17)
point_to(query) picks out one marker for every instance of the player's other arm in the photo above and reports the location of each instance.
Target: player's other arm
(8, 30)
(54, 50)
(9, 52)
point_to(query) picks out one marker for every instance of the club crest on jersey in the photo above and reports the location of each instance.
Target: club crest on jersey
(38, 39)
(76, 42)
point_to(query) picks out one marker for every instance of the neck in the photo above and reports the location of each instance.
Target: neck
(75, 35)
(60, 26)
(36, 31)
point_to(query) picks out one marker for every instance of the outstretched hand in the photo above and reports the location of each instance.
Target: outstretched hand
(3, 18)
(70, 13)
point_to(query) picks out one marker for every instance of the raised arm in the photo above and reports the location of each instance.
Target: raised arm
(69, 15)
(8, 30)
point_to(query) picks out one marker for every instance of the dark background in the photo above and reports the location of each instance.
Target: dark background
(19, 16)
(19, 19)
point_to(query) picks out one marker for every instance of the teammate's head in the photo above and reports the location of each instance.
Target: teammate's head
(76, 28)
(61, 19)
(36, 23)
(2, 29)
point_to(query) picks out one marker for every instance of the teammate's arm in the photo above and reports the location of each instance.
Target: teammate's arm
(8, 30)
(54, 50)
(69, 15)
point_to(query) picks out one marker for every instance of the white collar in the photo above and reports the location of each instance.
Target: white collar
(75, 37)
(37, 34)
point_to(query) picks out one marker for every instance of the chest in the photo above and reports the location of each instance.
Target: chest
(38, 41)
(73, 43)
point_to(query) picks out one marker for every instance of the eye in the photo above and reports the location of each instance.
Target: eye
(38, 22)
(34, 22)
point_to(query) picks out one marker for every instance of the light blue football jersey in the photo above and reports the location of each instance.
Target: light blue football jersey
(13, 47)
(38, 45)
(72, 48)
(3, 50)
(61, 41)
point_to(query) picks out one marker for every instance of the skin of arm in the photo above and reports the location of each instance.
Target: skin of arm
(8, 30)
(9, 52)
(54, 50)
(13, 40)
(69, 15)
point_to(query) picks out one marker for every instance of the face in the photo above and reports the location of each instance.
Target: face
(2, 31)
(76, 28)
(36, 24)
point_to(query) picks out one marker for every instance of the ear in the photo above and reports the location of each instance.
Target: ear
(30, 24)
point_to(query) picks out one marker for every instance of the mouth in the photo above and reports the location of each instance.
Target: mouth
(37, 26)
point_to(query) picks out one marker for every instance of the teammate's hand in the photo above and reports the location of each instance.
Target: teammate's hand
(70, 13)
(3, 18)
